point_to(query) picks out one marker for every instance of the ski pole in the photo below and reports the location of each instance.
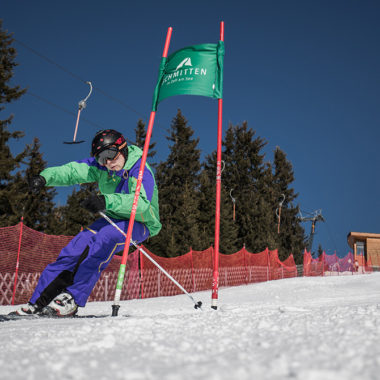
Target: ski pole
(110, 221)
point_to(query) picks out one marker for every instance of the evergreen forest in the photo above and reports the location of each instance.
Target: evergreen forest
(255, 188)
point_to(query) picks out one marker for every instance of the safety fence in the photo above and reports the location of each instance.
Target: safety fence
(24, 253)
(332, 265)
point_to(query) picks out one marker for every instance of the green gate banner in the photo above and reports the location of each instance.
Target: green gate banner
(194, 70)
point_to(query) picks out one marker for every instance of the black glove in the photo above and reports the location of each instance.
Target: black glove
(36, 183)
(94, 203)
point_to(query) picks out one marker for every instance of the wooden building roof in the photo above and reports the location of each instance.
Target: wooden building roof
(352, 237)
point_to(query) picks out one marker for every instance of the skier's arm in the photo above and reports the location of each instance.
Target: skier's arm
(72, 173)
(121, 204)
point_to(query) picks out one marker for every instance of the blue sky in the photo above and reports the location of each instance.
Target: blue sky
(304, 74)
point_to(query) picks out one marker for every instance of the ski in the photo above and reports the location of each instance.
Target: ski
(11, 317)
(15, 317)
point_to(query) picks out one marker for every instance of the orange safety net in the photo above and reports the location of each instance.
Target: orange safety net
(143, 279)
(278, 269)
(334, 265)
(203, 264)
(312, 267)
(232, 269)
(257, 266)
(37, 250)
(368, 266)
(156, 284)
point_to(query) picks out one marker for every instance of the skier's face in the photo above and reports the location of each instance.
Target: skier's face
(116, 164)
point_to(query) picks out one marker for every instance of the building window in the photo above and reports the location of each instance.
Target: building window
(360, 248)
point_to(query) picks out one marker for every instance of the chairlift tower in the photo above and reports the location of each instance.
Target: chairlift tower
(313, 218)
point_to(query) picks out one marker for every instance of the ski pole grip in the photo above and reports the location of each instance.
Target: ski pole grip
(115, 310)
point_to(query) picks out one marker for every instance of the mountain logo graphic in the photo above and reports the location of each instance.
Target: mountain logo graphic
(185, 62)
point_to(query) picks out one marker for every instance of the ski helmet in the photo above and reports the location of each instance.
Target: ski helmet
(107, 144)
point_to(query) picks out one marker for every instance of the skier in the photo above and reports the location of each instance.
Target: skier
(67, 283)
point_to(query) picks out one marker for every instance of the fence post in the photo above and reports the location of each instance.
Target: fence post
(18, 261)
(192, 268)
(323, 263)
(105, 287)
(159, 283)
(245, 265)
(141, 275)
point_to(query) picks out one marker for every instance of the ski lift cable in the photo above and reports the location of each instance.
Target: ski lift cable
(90, 122)
(307, 212)
(314, 216)
(62, 109)
(49, 60)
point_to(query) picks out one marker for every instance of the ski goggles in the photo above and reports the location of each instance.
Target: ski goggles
(108, 154)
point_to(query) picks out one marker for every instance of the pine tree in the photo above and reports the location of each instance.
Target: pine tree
(140, 132)
(37, 206)
(207, 208)
(263, 235)
(72, 218)
(178, 181)
(320, 250)
(247, 174)
(292, 235)
(228, 228)
(8, 163)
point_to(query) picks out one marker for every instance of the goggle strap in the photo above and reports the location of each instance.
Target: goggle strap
(122, 145)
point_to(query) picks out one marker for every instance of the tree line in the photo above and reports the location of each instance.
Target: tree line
(252, 187)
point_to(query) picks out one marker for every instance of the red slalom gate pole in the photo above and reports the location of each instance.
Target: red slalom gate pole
(18, 261)
(215, 277)
(121, 275)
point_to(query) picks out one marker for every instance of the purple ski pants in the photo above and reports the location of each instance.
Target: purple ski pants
(80, 264)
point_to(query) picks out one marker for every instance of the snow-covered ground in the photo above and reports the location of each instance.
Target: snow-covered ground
(317, 328)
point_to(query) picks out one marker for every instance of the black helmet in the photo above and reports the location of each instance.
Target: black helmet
(107, 144)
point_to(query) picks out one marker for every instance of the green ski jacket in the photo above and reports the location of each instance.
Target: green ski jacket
(118, 187)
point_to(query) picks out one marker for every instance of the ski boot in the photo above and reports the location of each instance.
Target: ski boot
(28, 309)
(62, 306)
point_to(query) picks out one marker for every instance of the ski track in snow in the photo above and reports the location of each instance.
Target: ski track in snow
(316, 328)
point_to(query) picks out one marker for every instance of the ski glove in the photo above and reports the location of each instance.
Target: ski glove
(94, 203)
(36, 183)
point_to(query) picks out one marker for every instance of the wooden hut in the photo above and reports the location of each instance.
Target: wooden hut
(365, 245)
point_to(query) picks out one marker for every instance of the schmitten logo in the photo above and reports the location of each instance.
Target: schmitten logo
(184, 72)
(185, 62)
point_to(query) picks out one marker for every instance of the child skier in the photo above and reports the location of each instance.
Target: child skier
(67, 283)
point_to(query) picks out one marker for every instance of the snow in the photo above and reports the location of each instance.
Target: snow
(301, 328)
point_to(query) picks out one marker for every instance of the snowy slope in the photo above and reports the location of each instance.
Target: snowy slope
(302, 328)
